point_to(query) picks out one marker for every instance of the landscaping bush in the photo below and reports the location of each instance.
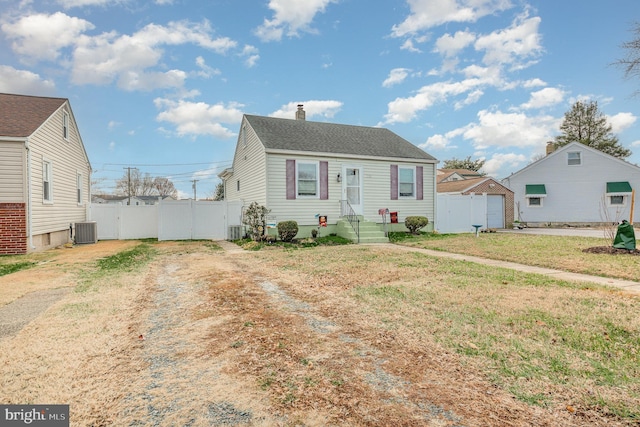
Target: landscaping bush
(415, 223)
(287, 230)
(255, 217)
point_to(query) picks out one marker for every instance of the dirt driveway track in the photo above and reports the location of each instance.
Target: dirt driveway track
(204, 337)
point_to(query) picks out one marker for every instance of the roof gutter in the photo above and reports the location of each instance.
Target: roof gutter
(29, 195)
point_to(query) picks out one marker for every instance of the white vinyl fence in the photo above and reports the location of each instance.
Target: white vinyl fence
(167, 220)
(458, 213)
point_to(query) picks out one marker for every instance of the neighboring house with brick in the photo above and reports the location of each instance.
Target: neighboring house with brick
(45, 173)
(499, 199)
(310, 171)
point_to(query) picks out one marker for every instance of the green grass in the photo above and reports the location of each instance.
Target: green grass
(558, 252)
(536, 337)
(16, 266)
(114, 265)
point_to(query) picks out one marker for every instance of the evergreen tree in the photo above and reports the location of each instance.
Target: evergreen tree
(586, 124)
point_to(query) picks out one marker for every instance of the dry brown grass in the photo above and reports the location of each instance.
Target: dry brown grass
(350, 335)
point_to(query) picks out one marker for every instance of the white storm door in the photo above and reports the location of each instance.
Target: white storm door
(352, 187)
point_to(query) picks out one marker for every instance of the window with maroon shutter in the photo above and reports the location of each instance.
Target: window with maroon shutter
(419, 183)
(394, 182)
(307, 179)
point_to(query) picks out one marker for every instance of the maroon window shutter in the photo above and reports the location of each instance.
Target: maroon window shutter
(291, 179)
(324, 180)
(419, 192)
(394, 182)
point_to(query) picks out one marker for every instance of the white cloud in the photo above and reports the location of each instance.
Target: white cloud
(533, 83)
(449, 45)
(199, 118)
(498, 129)
(500, 160)
(326, 109)
(251, 55)
(68, 4)
(127, 58)
(205, 70)
(290, 18)
(396, 76)
(621, 121)
(435, 142)
(472, 98)
(511, 45)
(426, 14)
(544, 98)
(24, 82)
(41, 36)
(404, 110)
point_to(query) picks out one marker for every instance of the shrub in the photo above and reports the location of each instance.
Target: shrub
(255, 217)
(287, 230)
(415, 223)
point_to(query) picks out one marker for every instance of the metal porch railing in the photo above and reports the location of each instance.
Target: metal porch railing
(347, 212)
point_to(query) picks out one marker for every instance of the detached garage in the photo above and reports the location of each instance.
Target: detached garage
(493, 210)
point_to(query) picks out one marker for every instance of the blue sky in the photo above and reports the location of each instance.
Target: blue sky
(162, 85)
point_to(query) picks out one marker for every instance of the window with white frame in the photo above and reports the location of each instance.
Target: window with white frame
(79, 188)
(616, 200)
(307, 179)
(406, 182)
(47, 187)
(65, 125)
(534, 201)
(573, 158)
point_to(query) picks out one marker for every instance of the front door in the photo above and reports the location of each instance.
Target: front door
(352, 187)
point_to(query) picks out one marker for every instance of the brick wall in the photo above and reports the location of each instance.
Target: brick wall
(13, 228)
(497, 188)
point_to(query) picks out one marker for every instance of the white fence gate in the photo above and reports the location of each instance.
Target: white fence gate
(458, 213)
(168, 220)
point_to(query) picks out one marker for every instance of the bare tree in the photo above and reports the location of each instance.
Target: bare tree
(631, 62)
(134, 183)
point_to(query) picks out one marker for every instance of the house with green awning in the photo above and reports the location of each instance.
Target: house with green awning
(575, 185)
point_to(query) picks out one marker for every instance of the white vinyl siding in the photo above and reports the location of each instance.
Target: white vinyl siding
(573, 194)
(12, 172)
(375, 187)
(249, 180)
(68, 159)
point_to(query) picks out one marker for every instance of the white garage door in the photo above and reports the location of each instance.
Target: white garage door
(495, 211)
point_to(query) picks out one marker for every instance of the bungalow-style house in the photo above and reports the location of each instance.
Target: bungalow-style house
(499, 199)
(319, 174)
(575, 185)
(446, 175)
(45, 173)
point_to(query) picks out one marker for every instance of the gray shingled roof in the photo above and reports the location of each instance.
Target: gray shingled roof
(302, 135)
(21, 115)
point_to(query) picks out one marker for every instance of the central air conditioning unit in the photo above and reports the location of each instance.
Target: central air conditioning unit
(86, 232)
(235, 232)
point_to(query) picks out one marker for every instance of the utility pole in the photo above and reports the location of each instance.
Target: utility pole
(194, 188)
(129, 183)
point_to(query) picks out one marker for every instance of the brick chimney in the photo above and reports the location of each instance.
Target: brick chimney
(550, 147)
(300, 114)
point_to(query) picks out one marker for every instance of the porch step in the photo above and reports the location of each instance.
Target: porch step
(370, 232)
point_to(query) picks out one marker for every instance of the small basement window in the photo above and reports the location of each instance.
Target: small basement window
(534, 194)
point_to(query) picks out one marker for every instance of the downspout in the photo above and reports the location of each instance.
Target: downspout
(29, 195)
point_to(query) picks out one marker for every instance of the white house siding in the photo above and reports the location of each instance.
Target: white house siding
(248, 168)
(376, 191)
(12, 172)
(575, 193)
(67, 158)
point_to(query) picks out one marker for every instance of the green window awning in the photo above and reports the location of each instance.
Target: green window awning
(535, 190)
(618, 187)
